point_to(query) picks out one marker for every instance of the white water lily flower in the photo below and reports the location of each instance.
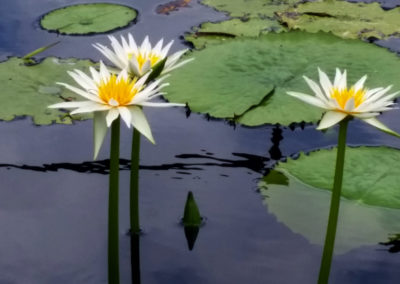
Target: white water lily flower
(110, 96)
(138, 60)
(341, 101)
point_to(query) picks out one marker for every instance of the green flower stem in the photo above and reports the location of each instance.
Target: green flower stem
(134, 184)
(113, 228)
(334, 208)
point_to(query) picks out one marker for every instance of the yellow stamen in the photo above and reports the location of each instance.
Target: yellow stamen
(142, 58)
(122, 91)
(342, 96)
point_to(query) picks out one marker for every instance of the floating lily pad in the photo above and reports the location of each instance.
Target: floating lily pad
(88, 18)
(347, 20)
(304, 210)
(246, 79)
(28, 90)
(371, 174)
(248, 18)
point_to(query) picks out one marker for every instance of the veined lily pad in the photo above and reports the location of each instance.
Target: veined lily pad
(28, 90)
(371, 174)
(248, 18)
(246, 79)
(304, 210)
(347, 20)
(88, 18)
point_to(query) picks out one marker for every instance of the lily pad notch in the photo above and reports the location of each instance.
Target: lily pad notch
(86, 19)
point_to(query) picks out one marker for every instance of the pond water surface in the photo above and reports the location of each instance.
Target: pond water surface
(53, 197)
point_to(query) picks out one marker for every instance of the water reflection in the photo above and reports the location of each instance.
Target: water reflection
(393, 243)
(135, 257)
(275, 152)
(249, 161)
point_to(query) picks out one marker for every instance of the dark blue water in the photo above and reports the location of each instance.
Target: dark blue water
(53, 197)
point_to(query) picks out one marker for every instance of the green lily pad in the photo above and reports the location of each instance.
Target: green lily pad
(304, 210)
(347, 20)
(371, 174)
(88, 18)
(28, 90)
(248, 18)
(246, 79)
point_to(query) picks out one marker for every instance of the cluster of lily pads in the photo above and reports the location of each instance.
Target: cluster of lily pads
(264, 50)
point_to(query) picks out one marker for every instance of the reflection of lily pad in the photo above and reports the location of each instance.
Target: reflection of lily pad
(28, 90)
(246, 79)
(304, 210)
(347, 20)
(88, 18)
(371, 174)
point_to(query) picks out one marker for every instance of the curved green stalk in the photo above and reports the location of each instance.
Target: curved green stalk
(113, 227)
(334, 208)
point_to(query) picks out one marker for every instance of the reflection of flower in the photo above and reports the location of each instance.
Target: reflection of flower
(110, 96)
(341, 101)
(140, 59)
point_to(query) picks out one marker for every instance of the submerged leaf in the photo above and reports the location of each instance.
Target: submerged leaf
(371, 174)
(304, 210)
(246, 79)
(347, 20)
(28, 90)
(88, 18)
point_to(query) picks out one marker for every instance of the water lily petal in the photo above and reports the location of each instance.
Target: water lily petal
(125, 115)
(139, 121)
(99, 131)
(360, 83)
(376, 123)
(90, 108)
(316, 89)
(325, 83)
(112, 114)
(308, 99)
(330, 118)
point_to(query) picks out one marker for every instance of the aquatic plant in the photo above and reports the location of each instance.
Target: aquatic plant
(140, 59)
(111, 96)
(343, 103)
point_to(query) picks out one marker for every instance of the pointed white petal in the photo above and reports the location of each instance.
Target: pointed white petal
(170, 66)
(91, 108)
(125, 115)
(316, 89)
(80, 92)
(112, 114)
(342, 84)
(360, 83)
(71, 104)
(365, 115)
(99, 131)
(308, 99)
(132, 44)
(376, 123)
(139, 121)
(330, 118)
(325, 83)
(151, 104)
(104, 73)
(337, 79)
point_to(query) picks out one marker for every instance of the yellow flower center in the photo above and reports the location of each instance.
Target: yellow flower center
(142, 58)
(344, 95)
(117, 93)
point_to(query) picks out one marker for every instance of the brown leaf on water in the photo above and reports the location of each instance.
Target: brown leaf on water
(172, 6)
